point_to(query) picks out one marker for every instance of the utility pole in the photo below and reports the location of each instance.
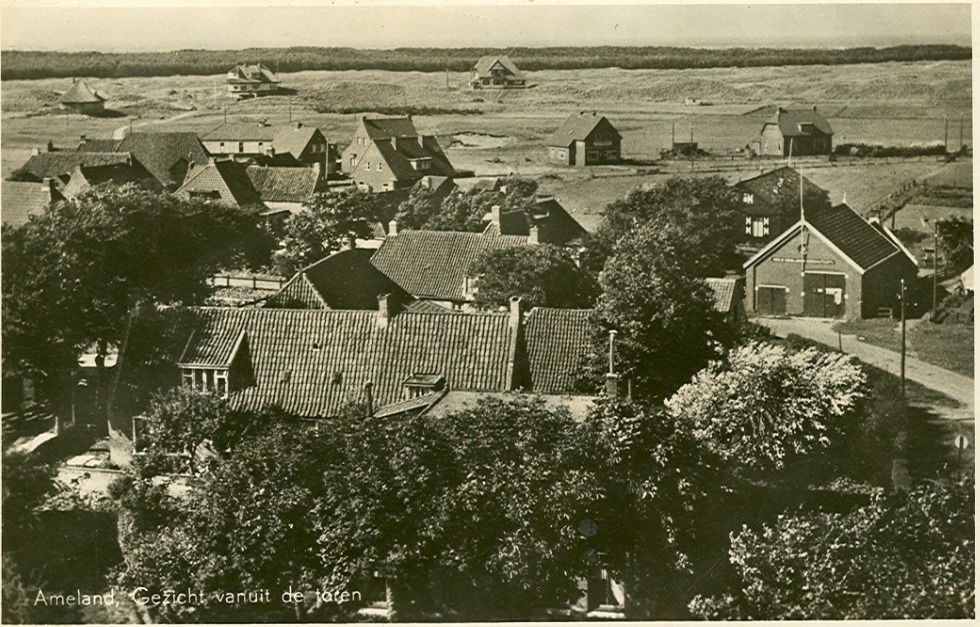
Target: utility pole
(961, 134)
(690, 147)
(903, 341)
(946, 136)
(290, 110)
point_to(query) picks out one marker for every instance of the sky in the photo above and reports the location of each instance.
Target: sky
(160, 26)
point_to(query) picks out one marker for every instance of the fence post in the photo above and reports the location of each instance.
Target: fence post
(254, 284)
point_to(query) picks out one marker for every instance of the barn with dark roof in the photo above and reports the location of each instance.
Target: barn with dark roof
(832, 263)
(797, 132)
(585, 138)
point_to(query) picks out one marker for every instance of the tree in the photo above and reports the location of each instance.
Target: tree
(907, 556)
(464, 211)
(956, 242)
(663, 313)
(700, 212)
(542, 276)
(767, 405)
(421, 207)
(331, 221)
(72, 273)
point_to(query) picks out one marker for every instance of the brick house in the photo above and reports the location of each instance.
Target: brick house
(388, 154)
(830, 264)
(585, 138)
(499, 72)
(798, 132)
(770, 203)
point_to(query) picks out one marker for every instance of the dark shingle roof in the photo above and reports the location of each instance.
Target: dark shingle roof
(311, 362)
(724, 292)
(789, 121)
(555, 224)
(80, 93)
(165, 154)
(852, 234)
(283, 184)
(85, 176)
(779, 187)
(577, 127)
(55, 164)
(227, 178)
(98, 145)
(241, 131)
(252, 73)
(344, 280)
(386, 128)
(482, 67)
(434, 264)
(20, 201)
(556, 341)
(293, 139)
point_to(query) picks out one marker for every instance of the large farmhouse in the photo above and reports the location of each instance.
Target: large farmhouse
(387, 154)
(585, 138)
(492, 72)
(798, 132)
(830, 264)
(251, 80)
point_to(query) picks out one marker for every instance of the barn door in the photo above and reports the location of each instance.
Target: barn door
(771, 301)
(823, 295)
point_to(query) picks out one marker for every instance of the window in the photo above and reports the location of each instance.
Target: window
(379, 166)
(206, 379)
(241, 146)
(367, 164)
(748, 198)
(760, 227)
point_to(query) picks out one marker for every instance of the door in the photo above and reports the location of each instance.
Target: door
(823, 295)
(770, 301)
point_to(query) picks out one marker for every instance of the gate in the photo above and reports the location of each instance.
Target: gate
(770, 301)
(823, 295)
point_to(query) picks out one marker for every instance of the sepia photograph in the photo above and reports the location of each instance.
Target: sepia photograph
(478, 312)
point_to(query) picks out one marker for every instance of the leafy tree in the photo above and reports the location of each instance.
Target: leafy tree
(543, 275)
(663, 313)
(654, 481)
(331, 221)
(421, 207)
(956, 242)
(71, 273)
(464, 211)
(767, 405)
(700, 212)
(904, 556)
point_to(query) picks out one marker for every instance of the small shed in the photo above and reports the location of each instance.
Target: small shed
(82, 99)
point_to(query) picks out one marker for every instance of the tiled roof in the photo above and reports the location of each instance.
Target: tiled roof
(577, 127)
(483, 66)
(54, 164)
(344, 280)
(577, 405)
(434, 264)
(84, 177)
(165, 154)
(227, 178)
(98, 145)
(311, 362)
(779, 187)
(211, 344)
(555, 224)
(556, 340)
(20, 200)
(80, 93)
(789, 121)
(852, 234)
(293, 139)
(276, 184)
(427, 306)
(241, 131)
(386, 128)
(724, 293)
(416, 405)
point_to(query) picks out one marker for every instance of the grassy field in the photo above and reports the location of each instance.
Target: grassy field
(948, 346)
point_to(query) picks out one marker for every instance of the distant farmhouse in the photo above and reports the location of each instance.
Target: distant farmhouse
(831, 263)
(280, 145)
(80, 98)
(585, 138)
(388, 154)
(799, 132)
(251, 80)
(496, 73)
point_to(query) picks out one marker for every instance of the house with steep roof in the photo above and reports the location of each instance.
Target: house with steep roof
(248, 80)
(585, 138)
(799, 132)
(547, 222)
(57, 166)
(770, 203)
(293, 145)
(223, 181)
(283, 189)
(167, 155)
(85, 177)
(496, 72)
(310, 363)
(343, 280)
(435, 265)
(81, 98)
(21, 200)
(388, 154)
(831, 263)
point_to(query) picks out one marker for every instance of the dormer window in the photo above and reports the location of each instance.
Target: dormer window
(206, 379)
(421, 163)
(748, 198)
(420, 384)
(207, 366)
(806, 127)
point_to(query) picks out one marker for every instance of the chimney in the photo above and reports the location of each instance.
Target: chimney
(532, 236)
(515, 313)
(593, 114)
(780, 110)
(50, 146)
(35, 152)
(82, 137)
(393, 227)
(612, 379)
(299, 125)
(384, 310)
(495, 214)
(814, 107)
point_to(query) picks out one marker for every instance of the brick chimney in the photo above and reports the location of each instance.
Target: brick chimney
(515, 313)
(495, 214)
(532, 235)
(393, 227)
(384, 310)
